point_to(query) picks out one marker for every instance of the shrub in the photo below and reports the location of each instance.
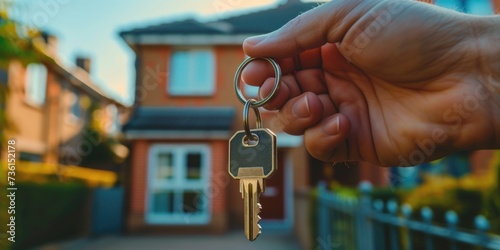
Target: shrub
(49, 212)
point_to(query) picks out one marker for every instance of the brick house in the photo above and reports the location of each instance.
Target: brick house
(186, 110)
(48, 105)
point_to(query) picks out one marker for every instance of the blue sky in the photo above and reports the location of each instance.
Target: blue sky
(90, 28)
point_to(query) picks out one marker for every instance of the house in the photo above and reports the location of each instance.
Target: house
(53, 110)
(185, 112)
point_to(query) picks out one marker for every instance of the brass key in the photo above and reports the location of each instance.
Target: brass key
(251, 161)
(252, 152)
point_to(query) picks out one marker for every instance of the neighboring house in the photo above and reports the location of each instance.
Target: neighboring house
(186, 111)
(49, 106)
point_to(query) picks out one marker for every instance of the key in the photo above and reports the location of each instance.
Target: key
(252, 161)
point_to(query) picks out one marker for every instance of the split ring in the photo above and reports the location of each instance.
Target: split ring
(249, 104)
(277, 82)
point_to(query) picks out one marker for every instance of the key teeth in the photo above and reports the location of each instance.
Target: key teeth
(258, 220)
(257, 236)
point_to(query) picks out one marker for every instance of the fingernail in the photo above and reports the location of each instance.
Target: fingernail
(332, 127)
(254, 40)
(301, 108)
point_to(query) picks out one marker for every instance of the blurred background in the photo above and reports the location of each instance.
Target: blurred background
(118, 113)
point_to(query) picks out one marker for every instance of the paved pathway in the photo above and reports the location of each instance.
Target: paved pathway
(229, 241)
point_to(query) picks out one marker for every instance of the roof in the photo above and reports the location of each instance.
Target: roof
(41, 49)
(259, 22)
(76, 76)
(181, 119)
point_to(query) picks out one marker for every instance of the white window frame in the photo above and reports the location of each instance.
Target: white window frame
(35, 81)
(179, 183)
(188, 86)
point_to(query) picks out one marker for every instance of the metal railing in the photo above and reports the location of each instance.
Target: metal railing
(366, 224)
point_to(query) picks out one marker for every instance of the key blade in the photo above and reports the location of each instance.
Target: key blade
(251, 189)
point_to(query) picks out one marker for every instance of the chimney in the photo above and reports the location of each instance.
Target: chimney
(51, 43)
(83, 62)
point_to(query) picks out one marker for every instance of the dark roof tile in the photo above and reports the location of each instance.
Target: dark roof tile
(186, 118)
(263, 21)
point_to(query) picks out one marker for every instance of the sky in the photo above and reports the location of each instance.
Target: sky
(90, 28)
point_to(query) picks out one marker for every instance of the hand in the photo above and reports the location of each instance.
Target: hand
(390, 82)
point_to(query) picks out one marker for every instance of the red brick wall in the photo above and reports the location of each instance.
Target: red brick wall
(53, 119)
(496, 6)
(219, 176)
(138, 177)
(480, 162)
(153, 79)
(375, 174)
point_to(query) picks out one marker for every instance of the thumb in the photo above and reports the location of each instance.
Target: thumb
(326, 23)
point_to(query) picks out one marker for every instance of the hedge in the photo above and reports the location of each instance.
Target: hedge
(47, 212)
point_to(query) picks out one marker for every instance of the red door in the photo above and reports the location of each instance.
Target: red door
(273, 199)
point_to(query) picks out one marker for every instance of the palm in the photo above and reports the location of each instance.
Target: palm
(399, 79)
(397, 97)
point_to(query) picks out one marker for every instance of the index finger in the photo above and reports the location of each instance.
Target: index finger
(257, 71)
(326, 23)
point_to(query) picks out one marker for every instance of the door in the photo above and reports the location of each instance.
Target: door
(273, 199)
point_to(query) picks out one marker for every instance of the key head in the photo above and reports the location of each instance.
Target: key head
(247, 154)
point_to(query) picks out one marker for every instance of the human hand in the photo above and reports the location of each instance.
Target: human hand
(389, 82)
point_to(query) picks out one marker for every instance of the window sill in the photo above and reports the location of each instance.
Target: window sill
(191, 95)
(177, 219)
(34, 104)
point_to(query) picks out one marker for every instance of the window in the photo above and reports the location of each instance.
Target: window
(36, 82)
(251, 91)
(25, 156)
(178, 184)
(477, 7)
(76, 109)
(192, 72)
(4, 77)
(113, 126)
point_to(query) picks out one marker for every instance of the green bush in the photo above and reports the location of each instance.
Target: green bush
(48, 212)
(4, 218)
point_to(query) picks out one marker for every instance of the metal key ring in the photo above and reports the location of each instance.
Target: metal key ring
(249, 104)
(277, 82)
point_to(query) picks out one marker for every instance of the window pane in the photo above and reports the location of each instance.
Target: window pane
(193, 165)
(178, 72)
(163, 202)
(36, 83)
(165, 166)
(193, 202)
(75, 107)
(479, 7)
(203, 72)
(24, 156)
(451, 4)
(251, 91)
(192, 73)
